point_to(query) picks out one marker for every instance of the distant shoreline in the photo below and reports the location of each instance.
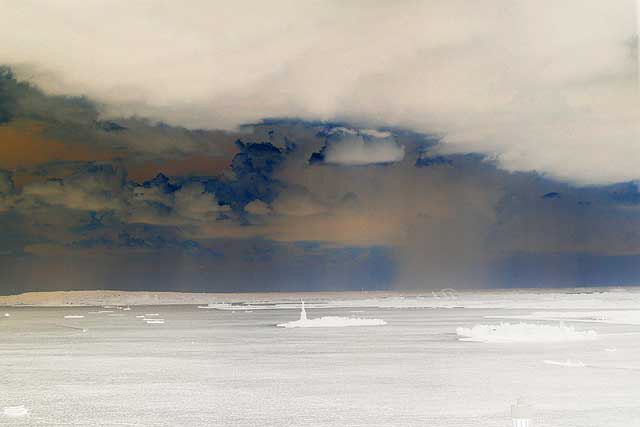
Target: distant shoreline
(109, 297)
(141, 298)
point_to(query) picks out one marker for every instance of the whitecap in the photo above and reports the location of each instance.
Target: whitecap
(524, 332)
(15, 411)
(568, 363)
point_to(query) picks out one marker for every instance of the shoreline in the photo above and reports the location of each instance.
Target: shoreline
(94, 298)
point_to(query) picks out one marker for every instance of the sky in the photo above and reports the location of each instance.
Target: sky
(318, 145)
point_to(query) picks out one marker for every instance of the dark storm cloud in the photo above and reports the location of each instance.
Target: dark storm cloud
(21, 100)
(250, 179)
(287, 205)
(560, 269)
(150, 260)
(541, 215)
(626, 193)
(92, 186)
(428, 160)
(94, 229)
(77, 120)
(253, 167)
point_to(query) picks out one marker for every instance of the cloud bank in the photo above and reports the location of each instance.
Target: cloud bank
(546, 86)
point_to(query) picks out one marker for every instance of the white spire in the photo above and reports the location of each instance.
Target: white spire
(303, 313)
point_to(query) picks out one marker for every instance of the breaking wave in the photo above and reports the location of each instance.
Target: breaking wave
(15, 411)
(623, 317)
(524, 332)
(568, 363)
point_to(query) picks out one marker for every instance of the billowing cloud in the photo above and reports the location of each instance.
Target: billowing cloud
(193, 202)
(539, 85)
(355, 151)
(159, 201)
(352, 147)
(93, 187)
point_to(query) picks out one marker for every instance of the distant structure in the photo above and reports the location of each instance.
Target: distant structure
(446, 293)
(521, 413)
(303, 312)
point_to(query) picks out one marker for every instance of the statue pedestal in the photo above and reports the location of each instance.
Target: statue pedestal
(521, 413)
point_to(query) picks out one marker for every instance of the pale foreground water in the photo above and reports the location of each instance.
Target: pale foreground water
(236, 368)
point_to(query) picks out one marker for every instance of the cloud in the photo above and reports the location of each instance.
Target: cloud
(7, 189)
(95, 186)
(253, 167)
(211, 201)
(75, 122)
(459, 221)
(257, 207)
(355, 151)
(105, 186)
(194, 203)
(541, 85)
(352, 147)
(298, 201)
(164, 201)
(6, 183)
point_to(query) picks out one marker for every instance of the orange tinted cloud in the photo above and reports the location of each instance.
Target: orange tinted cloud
(24, 144)
(197, 165)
